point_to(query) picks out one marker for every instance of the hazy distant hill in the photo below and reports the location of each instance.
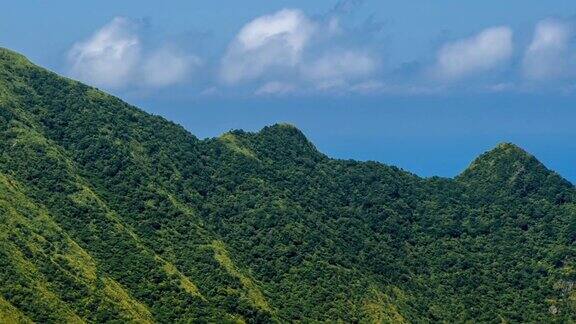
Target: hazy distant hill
(110, 214)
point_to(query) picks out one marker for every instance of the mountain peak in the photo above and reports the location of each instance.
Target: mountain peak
(7, 52)
(509, 148)
(506, 155)
(278, 142)
(284, 141)
(285, 134)
(284, 129)
(13, 58)
(510, 169)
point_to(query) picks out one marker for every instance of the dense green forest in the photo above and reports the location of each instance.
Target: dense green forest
(109, 214)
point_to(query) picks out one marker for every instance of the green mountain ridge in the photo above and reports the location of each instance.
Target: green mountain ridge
(110, 214)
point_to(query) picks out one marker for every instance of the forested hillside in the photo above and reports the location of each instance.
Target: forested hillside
(108, 213)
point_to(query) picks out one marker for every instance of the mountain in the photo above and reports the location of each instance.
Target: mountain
(510, 171)
(108, 214)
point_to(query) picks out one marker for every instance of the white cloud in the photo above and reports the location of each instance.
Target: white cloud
(480, 53)
(500, 87)
(109, 56)
(267, 42)
(168, 66)
(287, 51)
(369, 87)
(210, 92)
(275, 88)
(373, 87)
(547, 56)
(113, 57)
(338, 69)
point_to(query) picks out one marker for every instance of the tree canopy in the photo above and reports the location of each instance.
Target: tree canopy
(108, 213)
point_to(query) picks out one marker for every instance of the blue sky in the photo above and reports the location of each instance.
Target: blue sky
(424, 85)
